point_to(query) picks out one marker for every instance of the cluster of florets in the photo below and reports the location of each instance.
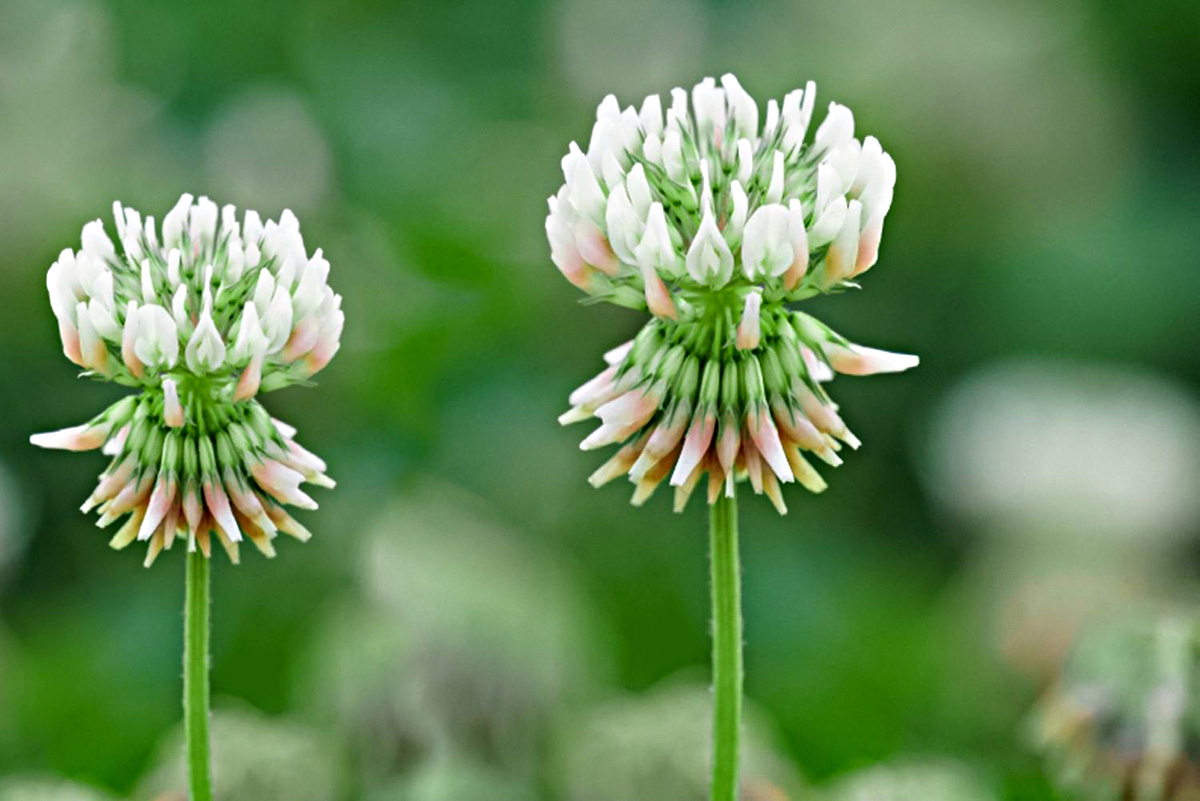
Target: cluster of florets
(200, 320)
(664, 210)
(714, 224)
(690, 404)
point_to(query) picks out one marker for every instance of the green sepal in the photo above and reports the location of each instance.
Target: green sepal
(191, 459)
(710, 384)
(730, 386)
(208, 459)
(753, 381)
(170, 452)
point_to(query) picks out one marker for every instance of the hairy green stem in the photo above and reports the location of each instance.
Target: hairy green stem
(195, 676)
(727, 647)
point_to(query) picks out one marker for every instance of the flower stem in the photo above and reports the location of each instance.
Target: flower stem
(195, 676)
(727, 647)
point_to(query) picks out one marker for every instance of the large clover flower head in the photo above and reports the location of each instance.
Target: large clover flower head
(199, 318)
(715, 223)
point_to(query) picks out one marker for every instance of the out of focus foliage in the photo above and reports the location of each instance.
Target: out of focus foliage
(1122, 722)
(472, 620)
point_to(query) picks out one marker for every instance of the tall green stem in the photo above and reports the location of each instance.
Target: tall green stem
(195, 676)
(727, 647)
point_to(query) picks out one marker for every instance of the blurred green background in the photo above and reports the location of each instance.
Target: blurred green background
(472, 622)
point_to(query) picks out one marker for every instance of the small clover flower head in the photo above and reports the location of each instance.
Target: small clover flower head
(715, 222)
(198, 319)
(1121, 720)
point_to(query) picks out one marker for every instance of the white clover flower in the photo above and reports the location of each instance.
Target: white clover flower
(715, 225)
(199, 320)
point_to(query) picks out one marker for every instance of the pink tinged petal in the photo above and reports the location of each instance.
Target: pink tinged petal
(170, 526)
(822, 415)
(695, 445)
(132, 496)
(303, 338)
(283, 428)
(156, 510)
(172, 410)
(572, 266)
(205, 351)
(795, 273)
(91, 345)
(110, 484)
(282, 483)
(306, 461)
(76, 438)
(247, 503)
(596, 387)
(843, 251)
(598, 395)
(797, 427)
(618, 354)
(868, 245)
(619, 464)
(859, 360)
(70, 342)
(749, 330)
(634, 408)
(648, 483)
(766, 439)
(658, 297)
(129, 335)
(663, 440)
(218, 506)
(328, 343)
(753, 463)
(563, 251)
(817, 369)
(117, 443)
(595, 248)
(193, 509)
(251, 378)
(303, 462)
(606, 434)
(728, 443)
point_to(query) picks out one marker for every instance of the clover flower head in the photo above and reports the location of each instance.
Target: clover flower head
(198, 316)
(1121, 718)
(715, 221)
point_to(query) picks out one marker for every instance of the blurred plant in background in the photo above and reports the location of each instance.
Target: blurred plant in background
(254, 758)
(464, 648)
(913, 780)
(656, 746)
(1122, 721)
(1100, 511)
(36, 789)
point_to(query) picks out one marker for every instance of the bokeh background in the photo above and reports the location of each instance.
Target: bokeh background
(472, 622)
